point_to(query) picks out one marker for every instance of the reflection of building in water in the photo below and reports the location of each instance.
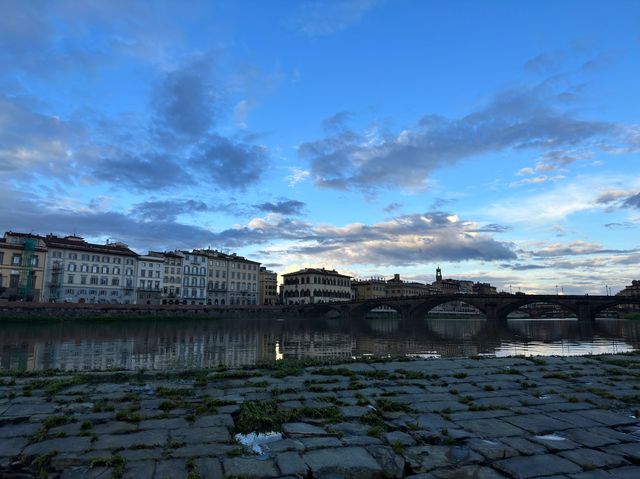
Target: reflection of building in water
(232, 348)
(455, 307)
(311, 344)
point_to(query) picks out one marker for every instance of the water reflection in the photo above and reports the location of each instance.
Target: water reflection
(167, 344)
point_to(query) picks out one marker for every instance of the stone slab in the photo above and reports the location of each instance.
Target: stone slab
(350, 462)
(525, 467)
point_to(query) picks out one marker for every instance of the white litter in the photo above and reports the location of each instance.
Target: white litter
(255, 441)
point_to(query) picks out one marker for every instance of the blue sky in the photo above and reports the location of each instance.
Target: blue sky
(499, 140)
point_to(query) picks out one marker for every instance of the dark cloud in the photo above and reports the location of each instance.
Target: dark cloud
(392, 207)
(185, 101)
(284, 207)
(575, 248)
(516, 119)
(153, 172)
(229, 164)
(623, 225)
(632, 201)
(27, 214)
(522, 267)
(167, 210)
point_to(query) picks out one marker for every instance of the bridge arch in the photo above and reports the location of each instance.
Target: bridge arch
(615, 301)
(515, 305)
(322, 309)
(423, 307)
(361, 310)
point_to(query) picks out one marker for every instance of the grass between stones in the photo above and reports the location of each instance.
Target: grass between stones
(115, 461)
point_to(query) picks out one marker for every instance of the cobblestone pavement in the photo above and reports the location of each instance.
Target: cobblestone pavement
(556, 417)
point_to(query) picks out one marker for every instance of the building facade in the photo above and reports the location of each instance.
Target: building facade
(315, 285)
(171, 275)
(77, 271)
(194, 277)
(22, 263)
(397, 288)
(371, 288)
(630, 291)
(268, 285)
(150, 279)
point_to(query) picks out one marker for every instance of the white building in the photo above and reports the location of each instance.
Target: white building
(313, 285)
(80, 272)
(231, 279)
(171, 275)
(194, 277)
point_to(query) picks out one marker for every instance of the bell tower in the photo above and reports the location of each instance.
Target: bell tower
(438, 274)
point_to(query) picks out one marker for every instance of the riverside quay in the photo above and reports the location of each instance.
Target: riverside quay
(519, 418)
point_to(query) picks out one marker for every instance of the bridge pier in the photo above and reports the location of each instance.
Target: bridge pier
(584, 312)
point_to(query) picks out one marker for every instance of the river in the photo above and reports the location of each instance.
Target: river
(173, 343)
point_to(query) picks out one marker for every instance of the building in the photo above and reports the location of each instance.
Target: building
(77, 271)
(22, 262)
(397, 288)
(631, 291)
(315, 285)
(231, 279)
(484, 288)
(194, 277)
(171, 275)
(150, 280)
(268, 285)
(371, 288)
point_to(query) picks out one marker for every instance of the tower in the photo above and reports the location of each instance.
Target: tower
(438, 274)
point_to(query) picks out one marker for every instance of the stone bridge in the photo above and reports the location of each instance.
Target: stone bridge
(495, 307)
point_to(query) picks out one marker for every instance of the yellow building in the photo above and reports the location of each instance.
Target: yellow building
(371, 288)
(22, 261)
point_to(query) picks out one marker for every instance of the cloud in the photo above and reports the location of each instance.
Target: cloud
(284, 207)
(526, 118)
(228, 163)
(296, 175)
(185, 100)
(623, 225)
(154, 171)
(392, 207)
(167, 210)
(404, 240)
(632, 201)
(316, 18)
(525, 171)
(34, 142)
(575, 248)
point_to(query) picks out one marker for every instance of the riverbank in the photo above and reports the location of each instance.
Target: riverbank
(517, 417)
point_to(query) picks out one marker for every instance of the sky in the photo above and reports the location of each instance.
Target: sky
(499, 140)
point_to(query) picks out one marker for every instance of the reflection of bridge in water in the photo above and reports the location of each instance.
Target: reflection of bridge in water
(170, 344)
(495, 307)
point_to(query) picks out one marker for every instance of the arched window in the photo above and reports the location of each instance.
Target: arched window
(187, 270)
(203, 271)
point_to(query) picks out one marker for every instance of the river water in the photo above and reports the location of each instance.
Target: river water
(175, 343)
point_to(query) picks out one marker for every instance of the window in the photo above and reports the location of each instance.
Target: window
(71, 267)
(1, 258)
(57, 254)
(93, 292)
(85, 257)
(142, 283)
(95, 269)
(69, 291)
(105, 259)
(187, 270)
(117, 260)
(84, 268)
(14, 280)
(70, 279)
(83, 279)
(157, 285)
(129, 271)
(95, 258)
(104, 281)
(116, 270)
(142, 273)
(34, 260)
(102, 292)
(16, 259)
(73, 255)
(115, 281)
(105, 270)
(93, 280)
(114, 293)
